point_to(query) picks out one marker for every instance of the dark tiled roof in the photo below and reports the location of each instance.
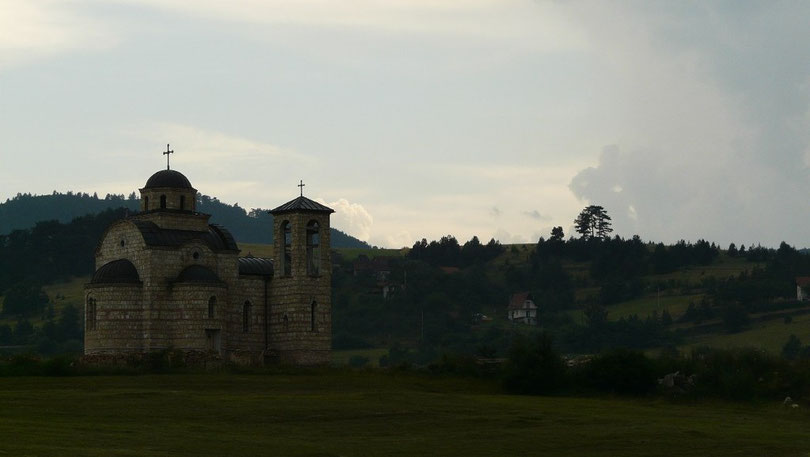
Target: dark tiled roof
(255, 266)
(518, 300)
(197, 273)
(302, 204)
(116, 272)
(168, 178)
(217, 238)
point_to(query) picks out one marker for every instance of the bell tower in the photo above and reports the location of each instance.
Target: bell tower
(300, 325)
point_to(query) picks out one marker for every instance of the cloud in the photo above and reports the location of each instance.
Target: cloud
(495, 211)
(709, 120)
(351, 218)
(33, 30)
(534, 214)
(519, 23)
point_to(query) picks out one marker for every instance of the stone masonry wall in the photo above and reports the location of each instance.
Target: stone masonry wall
(294, 338)
(118, 325)
(251, 343)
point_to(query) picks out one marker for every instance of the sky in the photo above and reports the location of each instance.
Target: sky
(421, 118)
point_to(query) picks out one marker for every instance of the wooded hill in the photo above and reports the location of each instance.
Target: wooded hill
(254, 226)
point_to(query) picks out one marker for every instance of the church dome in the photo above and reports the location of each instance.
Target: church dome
(117, 271)
(168, 178)
(197, 273)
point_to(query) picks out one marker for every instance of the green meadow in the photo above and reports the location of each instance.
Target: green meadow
(360, 413)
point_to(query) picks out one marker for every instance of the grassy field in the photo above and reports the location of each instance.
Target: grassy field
(770, 335)
(341, 358)
(333, 413)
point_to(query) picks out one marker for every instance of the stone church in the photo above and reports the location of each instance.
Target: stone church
(168, 279)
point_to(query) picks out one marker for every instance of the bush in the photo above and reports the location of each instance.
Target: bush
(621, 371)
(533, 367)
(358, 361)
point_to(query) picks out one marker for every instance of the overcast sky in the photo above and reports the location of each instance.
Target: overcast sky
(415, 119)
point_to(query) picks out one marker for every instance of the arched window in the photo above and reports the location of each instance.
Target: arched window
(286, 233)
(313, 249)
(212, 304)
(162, 202)
(313, 327)
(246, 316)
(182, 202)
(146, 203)
(90, 313)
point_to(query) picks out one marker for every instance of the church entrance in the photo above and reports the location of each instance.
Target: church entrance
(213, 340)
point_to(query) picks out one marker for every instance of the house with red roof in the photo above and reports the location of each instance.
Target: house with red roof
(802, 290)
(522, 308)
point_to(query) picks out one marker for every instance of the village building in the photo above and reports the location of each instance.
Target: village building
(802, 283)
(167, 279)
(522, 309)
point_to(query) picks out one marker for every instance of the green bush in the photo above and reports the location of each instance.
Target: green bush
(533, 367)
(621, 371)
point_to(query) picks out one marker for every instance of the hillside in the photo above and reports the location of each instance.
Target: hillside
(440, 297)
(25, 210)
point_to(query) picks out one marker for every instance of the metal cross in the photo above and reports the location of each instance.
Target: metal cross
(301, 186)
(168, 151)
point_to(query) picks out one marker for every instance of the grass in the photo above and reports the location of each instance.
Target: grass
(352, 253)
(330, 413)
(341, 358)
(266, 250)
(256, 250)
(770, 335)
(70, 292)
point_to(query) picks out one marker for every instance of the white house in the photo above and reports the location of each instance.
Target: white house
(522, 309)
(801, 288)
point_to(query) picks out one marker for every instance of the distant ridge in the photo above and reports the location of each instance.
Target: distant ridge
(25, 210)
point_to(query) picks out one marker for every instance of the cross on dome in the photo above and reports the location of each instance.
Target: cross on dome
(301, 186)
(166, 153)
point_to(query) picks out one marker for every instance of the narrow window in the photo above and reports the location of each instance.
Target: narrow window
(182, 202)
(90, 313)
(162, 202)
(286, 232)
(246, 317)
(212, 304)
(313, 249)
(312, 307)
(146, 203)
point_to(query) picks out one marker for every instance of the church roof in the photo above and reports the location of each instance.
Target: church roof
(197, 273)
(168, 178)
(116, 272)
(302, 204)
(217, 238)
(255, 266)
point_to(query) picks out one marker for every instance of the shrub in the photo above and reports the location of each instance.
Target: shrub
(621, 371)
(533, 367)
(358, 361)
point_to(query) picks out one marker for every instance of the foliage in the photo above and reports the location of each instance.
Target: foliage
(25, 211)
(24, 299)
(447, 252)
(593, 222)
(533, 367)
(621, 371)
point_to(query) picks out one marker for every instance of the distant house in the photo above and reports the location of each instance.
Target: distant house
(522, 309)
(378, 268)
(802, 283)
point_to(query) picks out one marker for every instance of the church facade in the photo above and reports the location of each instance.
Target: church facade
(167, 279)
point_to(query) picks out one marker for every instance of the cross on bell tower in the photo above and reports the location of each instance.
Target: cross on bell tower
(301, 186)
(166, 153)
